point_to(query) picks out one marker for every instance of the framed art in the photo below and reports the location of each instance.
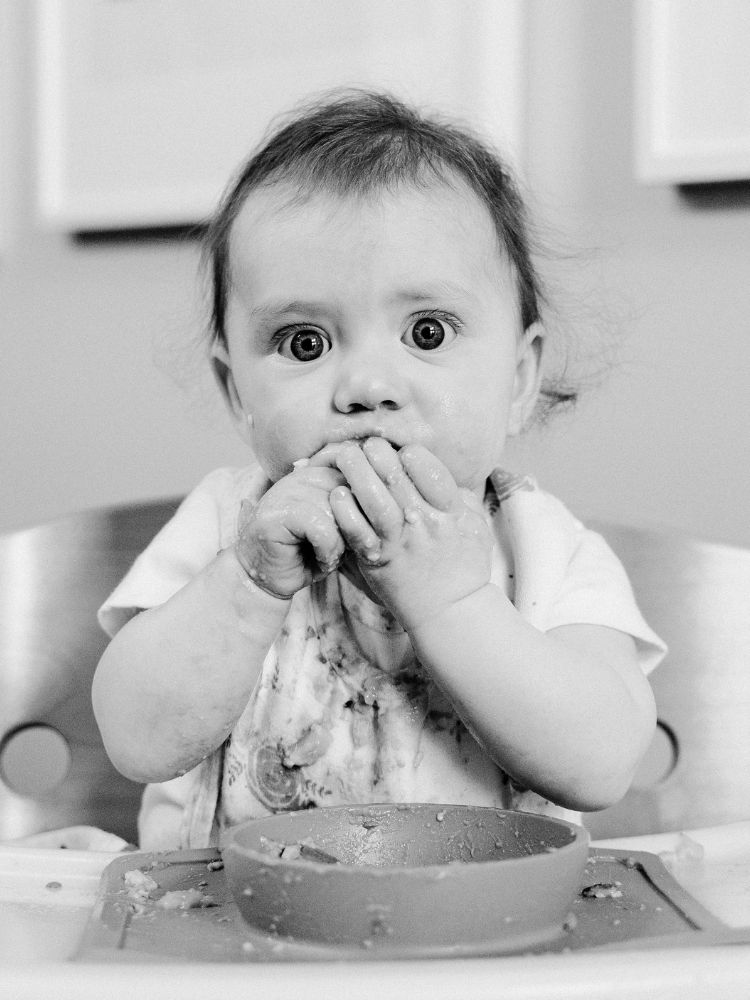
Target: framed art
(147, 107)
(692, 90)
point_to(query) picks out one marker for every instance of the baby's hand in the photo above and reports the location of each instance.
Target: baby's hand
(290, 538)
(421, 542)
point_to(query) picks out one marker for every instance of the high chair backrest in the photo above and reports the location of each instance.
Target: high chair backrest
(696, 596)
(54, 771)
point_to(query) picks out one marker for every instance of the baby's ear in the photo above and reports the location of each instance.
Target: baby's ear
(222, 368)
(528, 380)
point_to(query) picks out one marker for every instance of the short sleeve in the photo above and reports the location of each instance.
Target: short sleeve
(204, 523)
(596, 590)
(565, 574)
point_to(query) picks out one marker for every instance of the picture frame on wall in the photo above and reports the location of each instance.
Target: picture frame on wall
(147, 107)
(692, 87)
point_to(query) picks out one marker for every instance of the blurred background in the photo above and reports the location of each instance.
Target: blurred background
(104, 392)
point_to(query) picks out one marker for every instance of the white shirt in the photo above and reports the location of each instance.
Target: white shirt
(342, 712)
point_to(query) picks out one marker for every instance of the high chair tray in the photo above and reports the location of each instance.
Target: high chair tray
(627, 899)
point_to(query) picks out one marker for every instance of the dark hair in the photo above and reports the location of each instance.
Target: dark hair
(358, 141)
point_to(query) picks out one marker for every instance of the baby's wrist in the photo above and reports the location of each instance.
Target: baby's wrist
(445, 615)
(252, 580)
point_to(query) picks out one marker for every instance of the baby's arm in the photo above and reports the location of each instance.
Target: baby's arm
(567, 713)
(174, 680)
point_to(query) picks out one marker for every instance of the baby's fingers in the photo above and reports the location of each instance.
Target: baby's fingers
(276, 545)
(356, 530)
(374, 498)
(430, 476)
(324, 458)
(318, 530)
(324, 478)
(387, 464)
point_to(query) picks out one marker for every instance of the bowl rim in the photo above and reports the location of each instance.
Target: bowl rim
(579, 841)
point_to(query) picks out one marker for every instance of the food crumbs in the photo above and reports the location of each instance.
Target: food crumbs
(139, 885)
(185, 899)
(602, 890)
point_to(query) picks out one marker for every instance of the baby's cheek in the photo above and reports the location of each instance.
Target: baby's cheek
(472, 451)
(277, 444)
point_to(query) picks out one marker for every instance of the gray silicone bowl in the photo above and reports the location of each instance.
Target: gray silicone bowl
(425, 877)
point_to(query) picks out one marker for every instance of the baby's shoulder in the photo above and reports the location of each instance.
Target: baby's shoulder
(535, 509)
(212, 507)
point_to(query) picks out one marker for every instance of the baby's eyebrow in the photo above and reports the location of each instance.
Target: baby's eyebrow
(274, 308)
(431, 293)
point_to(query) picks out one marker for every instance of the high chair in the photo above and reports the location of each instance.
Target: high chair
(696, 596)
(55, 773)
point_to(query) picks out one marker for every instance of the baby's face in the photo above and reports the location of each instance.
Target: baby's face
(393, 315)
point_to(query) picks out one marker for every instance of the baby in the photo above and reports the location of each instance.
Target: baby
(373, 610)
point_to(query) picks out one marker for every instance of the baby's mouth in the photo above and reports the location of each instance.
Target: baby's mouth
(330, 451)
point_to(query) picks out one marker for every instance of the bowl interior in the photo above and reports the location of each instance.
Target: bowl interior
(411, 836)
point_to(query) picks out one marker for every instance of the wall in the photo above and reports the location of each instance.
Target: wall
(103, 393)
(664, 440)
(99, 405)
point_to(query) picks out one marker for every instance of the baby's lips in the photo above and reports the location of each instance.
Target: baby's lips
(325, 457)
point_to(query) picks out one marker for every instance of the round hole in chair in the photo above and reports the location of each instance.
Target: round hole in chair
(34, 759)
(659, 760)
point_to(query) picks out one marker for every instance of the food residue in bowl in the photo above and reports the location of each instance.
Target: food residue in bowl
(303, 850)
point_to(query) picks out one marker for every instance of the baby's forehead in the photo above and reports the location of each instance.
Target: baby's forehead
(391, 245)
(289, 202)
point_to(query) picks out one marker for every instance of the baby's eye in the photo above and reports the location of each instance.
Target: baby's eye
(428, 333)
(304, 345)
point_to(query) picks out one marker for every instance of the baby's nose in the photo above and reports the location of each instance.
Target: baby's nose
(370, 381)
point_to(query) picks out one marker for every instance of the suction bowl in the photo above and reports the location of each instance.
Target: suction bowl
(405, 877)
